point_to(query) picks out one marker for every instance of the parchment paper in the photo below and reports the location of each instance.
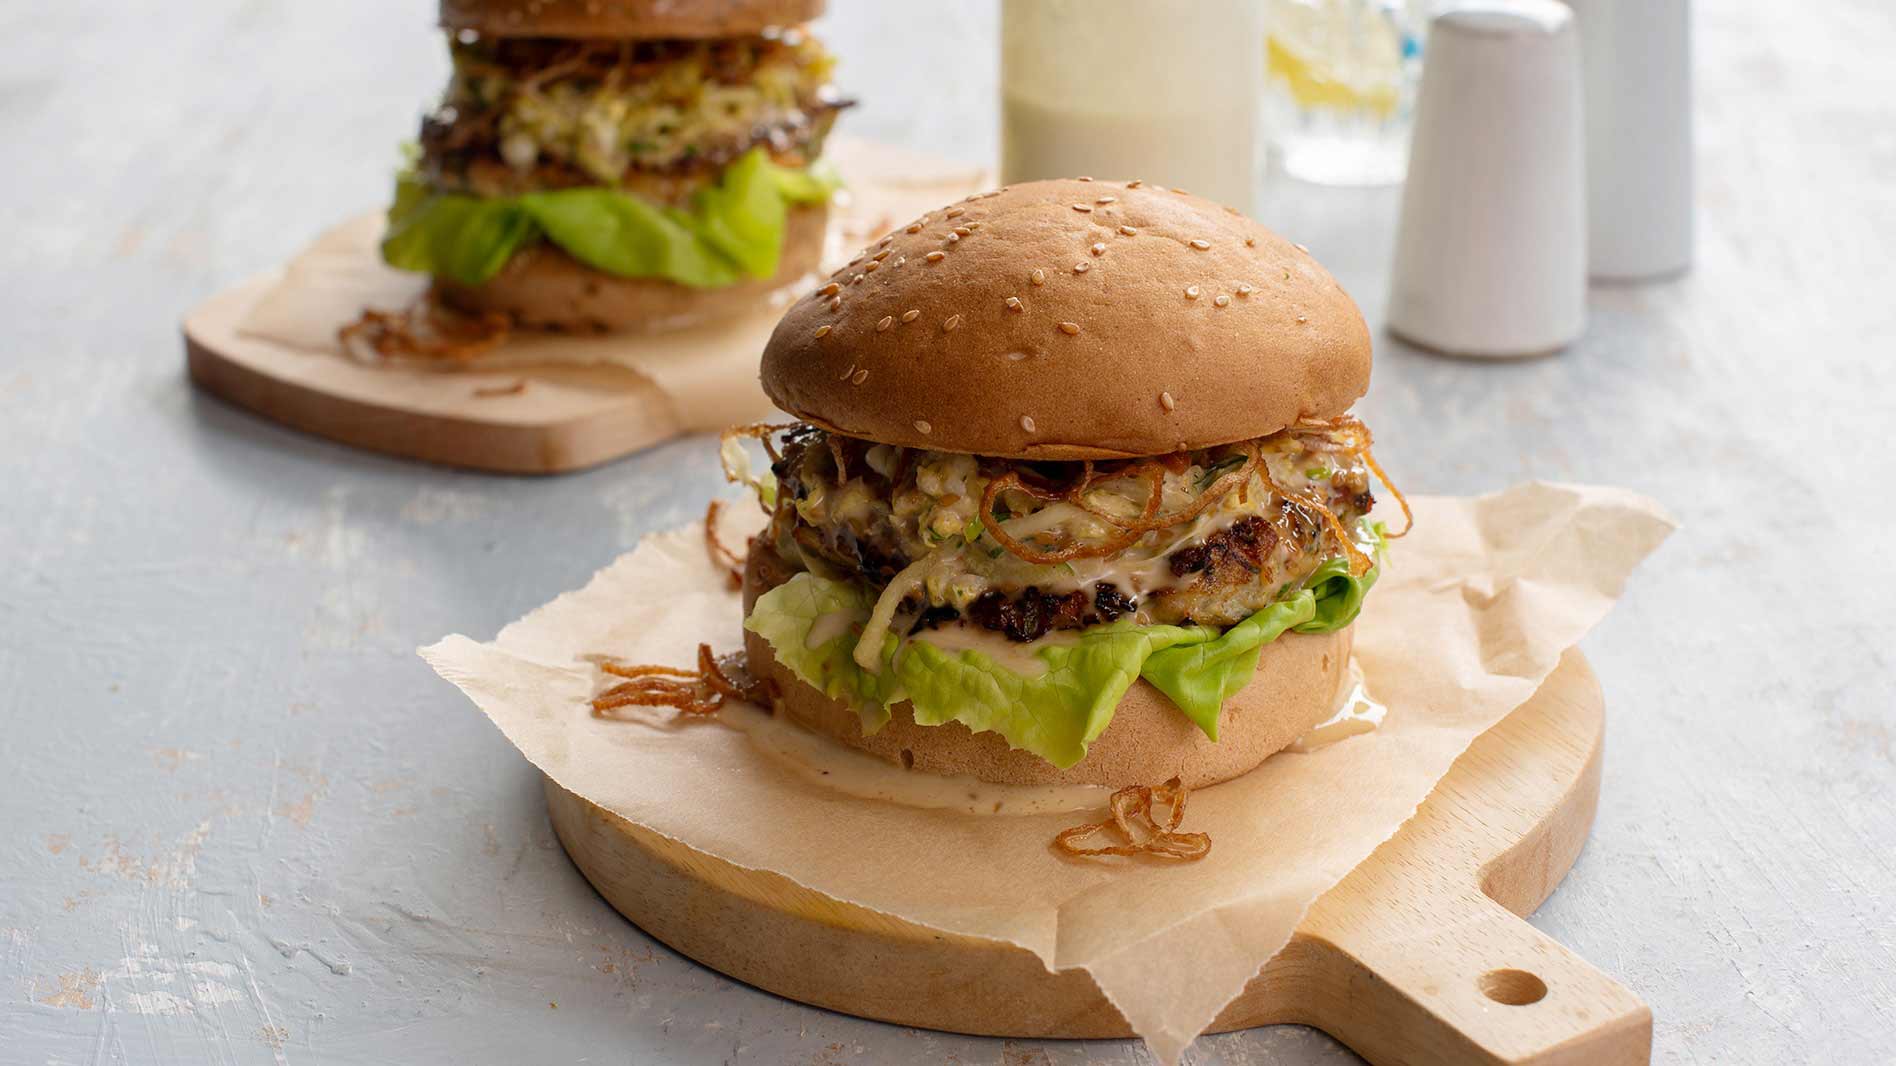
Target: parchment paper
(708, 373)
(1473, 613)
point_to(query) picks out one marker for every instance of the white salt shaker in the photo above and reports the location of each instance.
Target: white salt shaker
(1168, 93)
(1491, 251)
(1637, 57)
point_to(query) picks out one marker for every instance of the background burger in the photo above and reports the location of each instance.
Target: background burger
(619, 164)
(1074, 497)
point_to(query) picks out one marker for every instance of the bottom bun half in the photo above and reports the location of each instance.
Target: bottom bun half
(542, 287)
(1298, 684)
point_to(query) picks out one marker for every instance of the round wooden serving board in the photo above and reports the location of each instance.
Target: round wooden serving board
(1418, 956)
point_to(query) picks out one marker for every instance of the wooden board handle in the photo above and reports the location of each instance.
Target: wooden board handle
(1477, 984)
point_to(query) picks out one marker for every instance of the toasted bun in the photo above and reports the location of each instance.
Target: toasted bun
(543, 287)
(1298, 684)
(624, 19)
(1072, 319)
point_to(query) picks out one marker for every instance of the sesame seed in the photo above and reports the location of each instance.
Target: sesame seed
(1082, 179)
(1180, 191)
(1098, 249)
(873, 265)
(1081, 208)
(829, 290)
(1129, 231)
(955, 212)
(972, 226)
(1222, 300)
(836, 303)
(948, 325)
(911, 315)
(923, 428)
(847, 373)
(887, 239)
(1027, 423)
(1106, 199)
(1286, 273)
(887, 321)
(1069, 328)
(900, 259)
(1014, 304)
(962, 231)
(857, 280)
(1250, 242)
(883, 254)
(935, 257)
(954, 238)
(822, 331)
(1081, 268)
(1229, 210)
(913, 227)
(1201, 245)
(860, 377)
(1245, 290)
(1039, 277)
(1191, 292)
(1166, 401)
(1305, 249)
(1134, 183)
(1301, 320)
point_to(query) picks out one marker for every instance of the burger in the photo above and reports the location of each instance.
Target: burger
(1073, 496)
(619, 164)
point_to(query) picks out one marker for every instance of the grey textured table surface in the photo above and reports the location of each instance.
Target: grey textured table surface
(243, 823)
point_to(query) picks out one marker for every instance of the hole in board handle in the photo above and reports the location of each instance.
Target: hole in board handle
(1515, 988)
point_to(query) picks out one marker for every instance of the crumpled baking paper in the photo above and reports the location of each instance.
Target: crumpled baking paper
(707, 373)
(1474, 611)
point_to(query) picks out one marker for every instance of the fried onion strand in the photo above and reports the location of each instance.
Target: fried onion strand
(721, 557)
(424, 330)
(694, 692)
(1133, 817)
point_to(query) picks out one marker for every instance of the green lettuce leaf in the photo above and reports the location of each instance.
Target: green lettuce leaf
(732, 230)
(1059, 710)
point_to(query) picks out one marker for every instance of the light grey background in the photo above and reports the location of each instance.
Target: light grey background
(244, 824)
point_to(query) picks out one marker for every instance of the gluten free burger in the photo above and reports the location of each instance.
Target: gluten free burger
(619, 164)
(1074, 495)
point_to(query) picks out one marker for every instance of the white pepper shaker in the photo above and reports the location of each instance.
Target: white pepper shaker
(1491, 249)
(1637, 59)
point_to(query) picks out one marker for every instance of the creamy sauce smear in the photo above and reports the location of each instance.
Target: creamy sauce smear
(1356, 715)
(822, 761)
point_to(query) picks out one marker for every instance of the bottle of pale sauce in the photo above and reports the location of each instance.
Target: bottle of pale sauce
(1122, 89)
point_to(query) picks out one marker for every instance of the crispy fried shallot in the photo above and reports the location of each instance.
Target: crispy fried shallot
(423, 330)
(699, 692)
(1359, 444)
(721, 557)
(1126, 530)
(1139, 825)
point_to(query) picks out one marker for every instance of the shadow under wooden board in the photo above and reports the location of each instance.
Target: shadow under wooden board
(541, 403)
(1418, 956)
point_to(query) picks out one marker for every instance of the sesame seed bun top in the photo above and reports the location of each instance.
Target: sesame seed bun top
(1071, 319)
(624, 19)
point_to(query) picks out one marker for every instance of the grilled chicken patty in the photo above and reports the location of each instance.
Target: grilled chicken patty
(914, 520)
(658, 118)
